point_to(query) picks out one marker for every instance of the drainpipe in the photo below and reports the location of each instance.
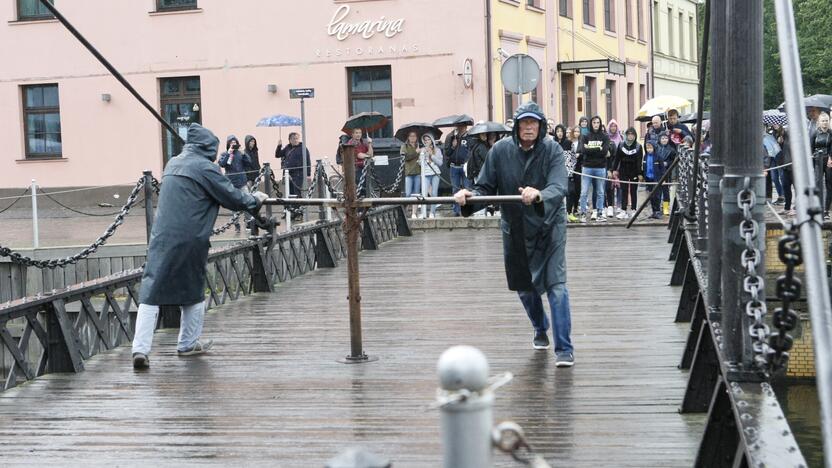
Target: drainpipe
(489, 61)
(652, 90)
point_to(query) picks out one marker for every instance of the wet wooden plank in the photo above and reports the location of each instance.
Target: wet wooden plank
(273, 394)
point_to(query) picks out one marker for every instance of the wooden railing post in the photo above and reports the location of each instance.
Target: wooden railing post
(63, 343)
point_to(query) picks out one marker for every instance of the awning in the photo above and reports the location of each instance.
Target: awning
(594, 66)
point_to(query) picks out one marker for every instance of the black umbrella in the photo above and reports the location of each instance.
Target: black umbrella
(488, 127)
(692, 117)
(647, 118)
(421, 128)
(823, 101)
(453, 121)
(368, 121)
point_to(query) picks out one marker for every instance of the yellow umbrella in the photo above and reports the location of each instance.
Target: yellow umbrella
(660, 105)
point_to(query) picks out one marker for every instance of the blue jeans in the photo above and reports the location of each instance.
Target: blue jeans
(588, 183)
(458, 181)
(777, 177)
(432, 185)
(412, 184)
(190, 327)
(561, 315)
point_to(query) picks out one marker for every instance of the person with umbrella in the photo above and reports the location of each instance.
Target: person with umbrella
(409, 153)
(457, 153)
(291, 159)
(534, 233)
(655, 131)
(363, 153)
(430, 162)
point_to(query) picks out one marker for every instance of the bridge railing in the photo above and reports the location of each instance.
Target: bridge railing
(58, 331)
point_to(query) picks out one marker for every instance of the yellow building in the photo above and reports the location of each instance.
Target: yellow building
(517, 27)
(594, 56)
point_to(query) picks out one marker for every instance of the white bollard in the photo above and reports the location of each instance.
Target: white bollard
(327, 194)
(286, 190)
(35, 230)
(424, 184)
(466, 405)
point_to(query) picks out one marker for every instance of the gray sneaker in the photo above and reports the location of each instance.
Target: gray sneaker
(140, 361)
(198, 348)
(540, 341)
(564, 360)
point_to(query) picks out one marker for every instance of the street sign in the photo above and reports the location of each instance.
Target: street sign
(302, 93)
(520, 74)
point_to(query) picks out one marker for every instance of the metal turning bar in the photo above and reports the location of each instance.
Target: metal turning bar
(368, 202)
(743, 171)
(352, 229)
(811, 240)
(700, 102)
(118, 76)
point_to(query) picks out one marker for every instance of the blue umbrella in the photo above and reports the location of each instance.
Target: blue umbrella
(280, 120)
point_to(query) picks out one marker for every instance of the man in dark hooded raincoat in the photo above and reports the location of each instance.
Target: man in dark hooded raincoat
(534, 233)
(193, 189)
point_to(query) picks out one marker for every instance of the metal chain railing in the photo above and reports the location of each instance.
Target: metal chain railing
(362, 182)
(685, 173)
(92, 248)
(702, 182)
(789, 288)
(235, 217)
(753, 283)
(17, 199)
(395, 187)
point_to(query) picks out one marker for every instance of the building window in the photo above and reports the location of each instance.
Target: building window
(589, 12)
(655, 18)
(609, 15)
(371, 90)
(566, 84)
(565, 8)
(171, 5)
(510, 104)
(670, 47)
(640, 19)
(611, 104)
(628, 18)
(589, 92)
(42, 121)
(693, 38)
(181, 106)
(29, 10)
(534, 3)
(681, 35)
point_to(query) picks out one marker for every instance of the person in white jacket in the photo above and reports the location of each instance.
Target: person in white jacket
(430, 160)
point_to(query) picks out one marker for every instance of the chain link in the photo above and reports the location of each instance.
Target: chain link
(509, 438)
(235, 217)
(391, 188)
(788, 291)
(753, 284)
(92, 248)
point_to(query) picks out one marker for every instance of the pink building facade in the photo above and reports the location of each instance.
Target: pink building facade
(66, 122)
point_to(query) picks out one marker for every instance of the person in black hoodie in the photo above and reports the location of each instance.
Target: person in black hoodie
(254, 159)
(478, 149)
(595, 147)
(821, 144)
(786, 161)
(627, 168)
(573, 194)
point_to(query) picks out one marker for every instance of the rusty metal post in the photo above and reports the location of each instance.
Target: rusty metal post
(148, 203)
(352, 228)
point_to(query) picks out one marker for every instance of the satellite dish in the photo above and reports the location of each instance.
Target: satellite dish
(520, 74)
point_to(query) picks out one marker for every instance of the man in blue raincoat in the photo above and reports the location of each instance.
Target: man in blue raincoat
(534, 233)
(193, 189)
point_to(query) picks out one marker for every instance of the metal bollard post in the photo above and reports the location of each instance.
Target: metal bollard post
(148, 203)
(424, 185)
(466, 404)
(35, 230)
(269, 189)
(321, 174)
(287, 185)
(327, 193)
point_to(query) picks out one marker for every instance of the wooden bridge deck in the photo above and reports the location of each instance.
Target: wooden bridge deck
(273, 394)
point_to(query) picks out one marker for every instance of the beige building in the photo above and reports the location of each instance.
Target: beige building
(675, 48)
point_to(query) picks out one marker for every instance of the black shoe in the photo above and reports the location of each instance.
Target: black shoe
(564, 360)
(140, 361)
(540, 341)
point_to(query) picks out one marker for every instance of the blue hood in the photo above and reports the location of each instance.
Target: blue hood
(202, 142)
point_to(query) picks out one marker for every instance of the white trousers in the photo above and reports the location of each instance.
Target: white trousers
(190, 327)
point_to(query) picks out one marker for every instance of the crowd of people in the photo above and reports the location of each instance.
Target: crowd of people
(606, 166)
